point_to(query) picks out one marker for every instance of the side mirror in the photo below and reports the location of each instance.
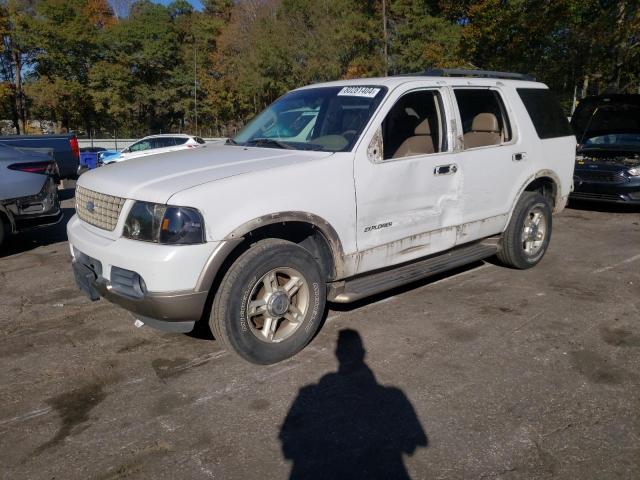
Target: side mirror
(375, 150)
(126, 150)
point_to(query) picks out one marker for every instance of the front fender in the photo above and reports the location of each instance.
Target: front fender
(234, 238)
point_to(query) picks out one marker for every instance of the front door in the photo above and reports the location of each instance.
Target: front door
(407, 181)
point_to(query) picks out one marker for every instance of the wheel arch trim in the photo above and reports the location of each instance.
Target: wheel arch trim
(559, 200)
(237, 236)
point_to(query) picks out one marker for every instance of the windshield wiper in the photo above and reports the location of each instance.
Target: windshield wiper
(258, 142)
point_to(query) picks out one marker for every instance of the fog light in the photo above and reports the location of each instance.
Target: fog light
(126, 282)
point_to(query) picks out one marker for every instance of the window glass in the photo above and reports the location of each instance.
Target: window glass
(322, 118)
(414, 126)
(180, 140)
(200, 140)
(546, 114)
(141, 145)
(484, 118)
(162, 142)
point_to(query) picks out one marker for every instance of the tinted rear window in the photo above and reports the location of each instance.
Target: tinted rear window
(546, 114)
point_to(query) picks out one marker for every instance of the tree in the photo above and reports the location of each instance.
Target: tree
(420, 40)
(138, 81)
(68, 39)
(17, 56)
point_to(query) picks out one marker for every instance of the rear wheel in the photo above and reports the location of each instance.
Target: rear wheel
(527, 236)
(2, 230)
(270, 302)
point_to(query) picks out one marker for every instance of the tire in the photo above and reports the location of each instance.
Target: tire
(2, 231)
(251, 298)
(524, 242)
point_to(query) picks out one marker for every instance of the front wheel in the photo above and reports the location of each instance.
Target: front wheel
(270, 303)
(525, 241)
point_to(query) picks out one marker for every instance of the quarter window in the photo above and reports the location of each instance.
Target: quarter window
(484, 118)
(546, 114)
(414, 126)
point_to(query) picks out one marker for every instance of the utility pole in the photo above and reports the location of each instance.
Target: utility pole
(384, 35)
(195, 83)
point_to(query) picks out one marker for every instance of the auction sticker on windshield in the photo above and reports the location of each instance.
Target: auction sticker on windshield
(368, 92)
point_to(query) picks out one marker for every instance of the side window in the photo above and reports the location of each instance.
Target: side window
(546, 114)
(178, 141)
(414, 126)
(141, 145)
(484, 118)
(162, 142)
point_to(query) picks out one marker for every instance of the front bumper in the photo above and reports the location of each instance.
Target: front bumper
(168, 311)
(626, 192)
(160, 284)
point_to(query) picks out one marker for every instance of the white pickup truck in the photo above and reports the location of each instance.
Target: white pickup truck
(335, 192)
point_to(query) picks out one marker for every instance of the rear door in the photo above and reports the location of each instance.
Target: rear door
(162, 145)
(406, 179)
(493, 160)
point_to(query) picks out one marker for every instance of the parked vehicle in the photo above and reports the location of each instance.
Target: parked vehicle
(65, 148)
(153, 145)
(399, 178)
(608, 155)
(28, 191)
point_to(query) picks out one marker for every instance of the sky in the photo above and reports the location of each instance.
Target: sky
(196, 3)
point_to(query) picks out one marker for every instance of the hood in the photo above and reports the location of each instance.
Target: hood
(156, 178)
(606, 114)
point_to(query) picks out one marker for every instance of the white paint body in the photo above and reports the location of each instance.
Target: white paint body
(234, 185)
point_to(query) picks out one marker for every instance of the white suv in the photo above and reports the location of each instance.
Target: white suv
(395, 179)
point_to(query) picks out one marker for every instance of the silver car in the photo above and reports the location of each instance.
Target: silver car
(28, 190)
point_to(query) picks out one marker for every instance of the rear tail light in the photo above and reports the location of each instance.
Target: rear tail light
(44, 168)
(75, 148)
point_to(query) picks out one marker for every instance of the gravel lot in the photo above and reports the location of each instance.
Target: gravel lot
(484, 373)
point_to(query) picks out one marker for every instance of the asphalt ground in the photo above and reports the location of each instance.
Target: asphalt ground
(485, 372)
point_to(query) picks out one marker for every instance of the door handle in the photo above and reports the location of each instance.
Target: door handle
(518, 157)
(445, 169)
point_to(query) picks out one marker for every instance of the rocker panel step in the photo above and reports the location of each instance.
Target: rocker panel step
(357, 288)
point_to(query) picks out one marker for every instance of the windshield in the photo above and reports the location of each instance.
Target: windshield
(325, 118)
(614, 139)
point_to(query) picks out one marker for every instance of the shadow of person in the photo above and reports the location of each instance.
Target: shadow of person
(348, 426)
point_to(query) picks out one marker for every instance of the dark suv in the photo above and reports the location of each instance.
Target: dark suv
(608, 158)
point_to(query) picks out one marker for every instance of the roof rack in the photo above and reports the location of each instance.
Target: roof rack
(463, 72)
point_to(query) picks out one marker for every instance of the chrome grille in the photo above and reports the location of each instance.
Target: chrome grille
(98, 209)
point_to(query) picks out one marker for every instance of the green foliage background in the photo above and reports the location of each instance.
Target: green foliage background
(130, 66)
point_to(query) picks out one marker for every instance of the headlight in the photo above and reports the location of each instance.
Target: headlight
(152, 222)
(634, 172)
